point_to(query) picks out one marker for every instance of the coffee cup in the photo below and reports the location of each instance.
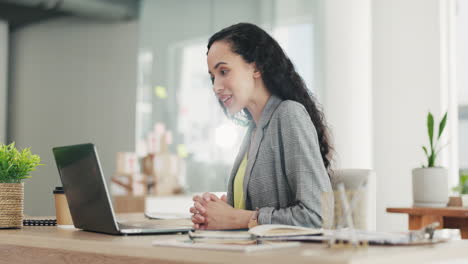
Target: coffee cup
(62, 211)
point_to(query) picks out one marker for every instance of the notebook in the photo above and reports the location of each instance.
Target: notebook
(88, 196)
(260, 232)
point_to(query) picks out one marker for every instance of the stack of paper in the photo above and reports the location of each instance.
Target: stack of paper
(242, 240)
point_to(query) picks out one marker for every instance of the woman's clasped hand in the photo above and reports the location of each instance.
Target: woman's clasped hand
(211, 212)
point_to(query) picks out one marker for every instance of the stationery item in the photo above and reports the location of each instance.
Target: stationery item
(39, 222)
(260, 246)
(260, 232)
(345, 230)
(382, 238)
(347, 215)
(240, 237)
(62, 211)
(89, 201)
(266, 231)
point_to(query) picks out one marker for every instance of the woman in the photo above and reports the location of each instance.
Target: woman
(281, 170)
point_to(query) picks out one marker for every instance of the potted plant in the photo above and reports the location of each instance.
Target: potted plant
(430, 183)
(462, 190)
(15, 166)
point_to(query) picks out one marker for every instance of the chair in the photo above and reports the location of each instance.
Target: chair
(364, 213)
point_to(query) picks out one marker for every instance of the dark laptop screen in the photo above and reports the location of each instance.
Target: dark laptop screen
(85, 188)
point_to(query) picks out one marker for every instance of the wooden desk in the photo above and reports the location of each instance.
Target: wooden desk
(448, 217)
(57, 245)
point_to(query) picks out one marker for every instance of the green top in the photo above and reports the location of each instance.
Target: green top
(239, 202)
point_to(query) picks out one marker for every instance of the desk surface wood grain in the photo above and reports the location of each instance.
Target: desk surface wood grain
(59, 245)
(448, 217)
(441, 211)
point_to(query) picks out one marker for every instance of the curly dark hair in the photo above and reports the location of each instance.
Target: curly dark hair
(255, 45)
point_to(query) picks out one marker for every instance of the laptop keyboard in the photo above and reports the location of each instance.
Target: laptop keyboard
(137, 226)
(145, 226)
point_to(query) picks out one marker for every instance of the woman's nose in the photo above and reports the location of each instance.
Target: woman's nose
(217, 87)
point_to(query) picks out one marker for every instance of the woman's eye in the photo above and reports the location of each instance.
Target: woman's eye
(223, 72)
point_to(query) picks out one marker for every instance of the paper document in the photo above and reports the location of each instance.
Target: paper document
(283, 231)
(376, 238)
(220, 236)
(259, 231)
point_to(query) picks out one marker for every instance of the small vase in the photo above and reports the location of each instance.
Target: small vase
(430, 187)
(464, 199)
(11, 205)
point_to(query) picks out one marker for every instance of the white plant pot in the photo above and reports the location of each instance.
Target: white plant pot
(464, 198)
(430, 187)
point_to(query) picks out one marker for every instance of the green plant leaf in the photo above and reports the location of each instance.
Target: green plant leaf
(462, 187)
(442, 125)
(432, 158)
(425, 150)
(433, 150)
(463, 179)
(457, 189)
(430, 127)
(15, 165)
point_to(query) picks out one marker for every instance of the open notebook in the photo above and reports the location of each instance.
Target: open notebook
(251, 235)
(255, 239)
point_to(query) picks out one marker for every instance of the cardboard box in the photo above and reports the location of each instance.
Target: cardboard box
(129, 204)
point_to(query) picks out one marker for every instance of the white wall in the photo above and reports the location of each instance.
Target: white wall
(406, 84)
(3, 79)
(73, 82)
(347, 80)
(384, 70)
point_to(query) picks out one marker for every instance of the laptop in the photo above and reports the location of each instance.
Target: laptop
(88, 198)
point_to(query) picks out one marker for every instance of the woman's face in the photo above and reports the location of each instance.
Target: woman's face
(233, 78)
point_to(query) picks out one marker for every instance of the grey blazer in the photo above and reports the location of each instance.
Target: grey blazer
(285, 175)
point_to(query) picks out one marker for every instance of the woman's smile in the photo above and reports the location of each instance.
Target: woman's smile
(227, 101)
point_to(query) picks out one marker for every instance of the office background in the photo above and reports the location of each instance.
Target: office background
(377, 67)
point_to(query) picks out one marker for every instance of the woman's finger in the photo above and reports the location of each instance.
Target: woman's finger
(199, 218)
(196, 198)
(202, 201)
(196, 219)
(224, 198)
(207, 196)
(214, 197)
(193, 210)
(200, 208)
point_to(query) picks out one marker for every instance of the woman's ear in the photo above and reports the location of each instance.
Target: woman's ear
(256, 72)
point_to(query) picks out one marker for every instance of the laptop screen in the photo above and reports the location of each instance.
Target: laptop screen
(85, 188)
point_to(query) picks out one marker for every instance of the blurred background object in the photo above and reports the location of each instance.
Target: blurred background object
(20, 13)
